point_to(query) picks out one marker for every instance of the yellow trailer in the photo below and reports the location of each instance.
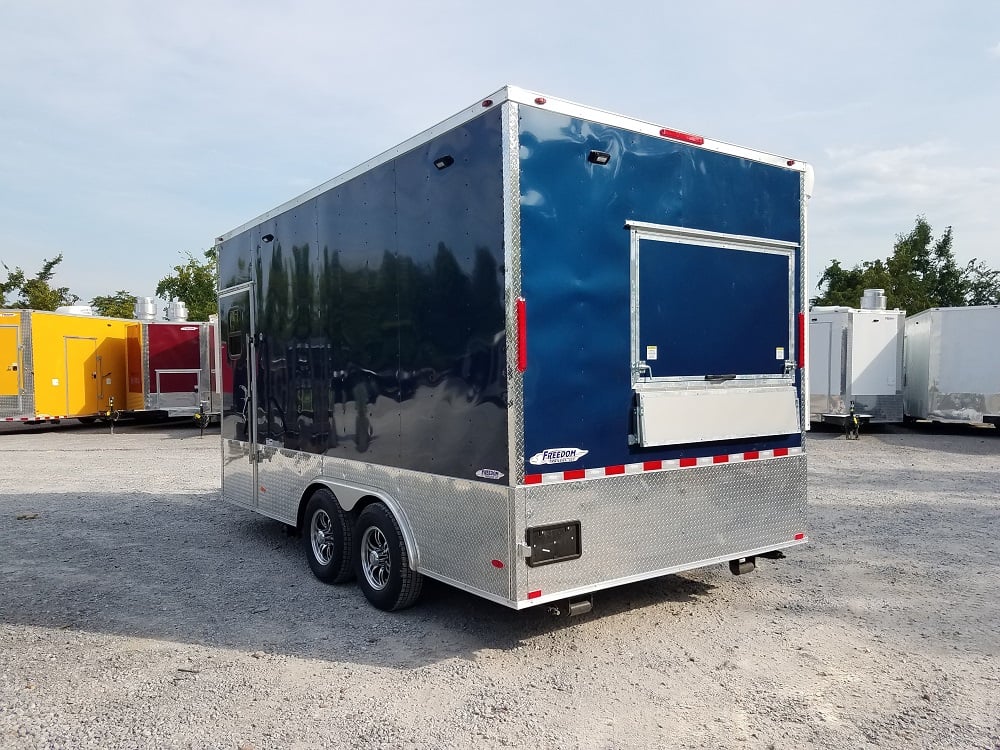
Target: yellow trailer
(57, 366)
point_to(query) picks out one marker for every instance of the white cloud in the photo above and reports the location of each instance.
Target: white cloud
(935, 171)
(131, 134)
(864, 198)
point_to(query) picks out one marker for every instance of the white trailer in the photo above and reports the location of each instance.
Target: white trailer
(856, 359)
(952, 365)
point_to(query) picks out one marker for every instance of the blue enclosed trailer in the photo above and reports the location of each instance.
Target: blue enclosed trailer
(536, 351)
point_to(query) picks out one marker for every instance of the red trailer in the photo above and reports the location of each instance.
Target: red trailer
(171, 368)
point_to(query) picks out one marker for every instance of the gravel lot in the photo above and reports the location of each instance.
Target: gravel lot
(136, 610)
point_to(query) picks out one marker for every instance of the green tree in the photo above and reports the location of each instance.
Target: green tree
(121, 304)
(13, 283)
(194, 283)
(35, 293)
(983, 283)
(921, 272)
(844, 287)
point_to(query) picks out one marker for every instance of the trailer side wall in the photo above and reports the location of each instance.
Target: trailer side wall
(380, 311)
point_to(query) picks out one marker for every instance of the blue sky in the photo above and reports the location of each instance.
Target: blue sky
(132, 132)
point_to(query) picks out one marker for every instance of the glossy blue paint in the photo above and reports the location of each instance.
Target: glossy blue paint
(380, 312)
(713, 311)
(575, 271)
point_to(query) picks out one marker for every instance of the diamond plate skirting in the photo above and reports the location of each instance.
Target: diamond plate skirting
(632, 526)
(635, 525)
(23, 403)
(459, 528)
(237, 473)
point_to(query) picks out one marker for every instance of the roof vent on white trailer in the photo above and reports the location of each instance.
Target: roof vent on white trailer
(145, 309)
(873, 299)
(75, 310)
(177, 311)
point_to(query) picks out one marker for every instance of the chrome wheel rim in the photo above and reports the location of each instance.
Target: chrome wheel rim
(321, 534)
(375, 558)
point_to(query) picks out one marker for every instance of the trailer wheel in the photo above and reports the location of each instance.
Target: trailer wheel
(328, 541)
(383, 567)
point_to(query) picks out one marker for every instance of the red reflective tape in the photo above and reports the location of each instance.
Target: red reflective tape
(801, 343)
(575, 474)
(685, 462)
(652, 465)
(751, 455)
(534, 594)
(799, 537)
(522, 334)
(720, 459)
(614, 470)
(532, 478)
(781, 451)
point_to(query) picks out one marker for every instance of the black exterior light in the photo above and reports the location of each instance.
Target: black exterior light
(267, 237)
(443, 162)
(599, 157)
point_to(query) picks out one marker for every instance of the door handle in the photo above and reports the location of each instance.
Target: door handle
(640, 366)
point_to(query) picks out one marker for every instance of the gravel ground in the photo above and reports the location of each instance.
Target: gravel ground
(137, 610)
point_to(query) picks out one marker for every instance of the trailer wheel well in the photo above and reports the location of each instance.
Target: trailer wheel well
(362, 502)
(304, 501)
(359, 506)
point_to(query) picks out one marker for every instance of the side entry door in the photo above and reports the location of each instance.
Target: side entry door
(83, 379)
(239, 399)
(10, 369)
(822, 359)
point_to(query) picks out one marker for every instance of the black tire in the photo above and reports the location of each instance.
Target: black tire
(86, 420)
(381, 563)
(327, 538)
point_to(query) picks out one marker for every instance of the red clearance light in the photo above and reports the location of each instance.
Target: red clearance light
(522, 334)
(799, 537)
(677, 135)
(487, 102)
(800, 344)
(539, 100)
(534, 594)
(790, 162)
(498, 564)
